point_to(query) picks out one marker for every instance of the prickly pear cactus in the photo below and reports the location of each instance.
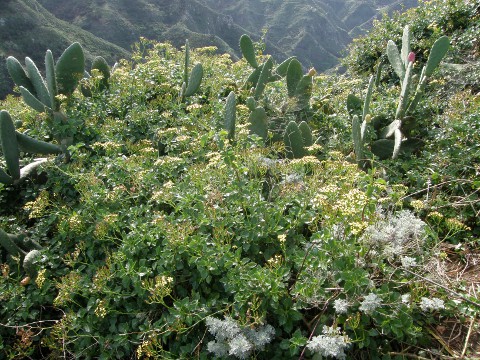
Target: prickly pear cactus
(30, 262)
(18, 74)
(12, 142)
(195, 80)
(69, 69)
(251, 103)
(293, 141)
(357, 139)
(294, 74)
(264, 78)
(100, 64)
(306, 134)
(230, 115)
(248, 50)
(9, 145)
(391, 137)
(282, 69)
(258, 123)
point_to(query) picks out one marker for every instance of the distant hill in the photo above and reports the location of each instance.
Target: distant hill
(316, 31)
(28, 29)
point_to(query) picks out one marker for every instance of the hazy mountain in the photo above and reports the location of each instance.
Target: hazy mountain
(316, 31)
(27, 29)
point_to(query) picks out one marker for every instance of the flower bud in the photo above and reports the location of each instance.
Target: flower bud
(411, 57)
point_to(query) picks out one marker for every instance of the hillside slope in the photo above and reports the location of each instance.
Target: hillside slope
(28, 29)
(316, 31)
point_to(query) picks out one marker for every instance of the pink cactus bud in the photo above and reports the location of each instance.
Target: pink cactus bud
(411, 57)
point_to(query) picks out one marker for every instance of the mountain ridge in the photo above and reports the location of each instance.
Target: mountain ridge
(315, 31)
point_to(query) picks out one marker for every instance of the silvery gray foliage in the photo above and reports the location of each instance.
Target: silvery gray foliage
(331, 343)
(370, 303)
(432, 304)
(395, 235)
(233, 340)
(340, 306)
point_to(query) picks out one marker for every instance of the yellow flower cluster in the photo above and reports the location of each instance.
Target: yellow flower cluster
(307, 160)
(455, 225)
(417, 205)
(109, 146)
(168, 160)
(101, 277)
(194, 107)
(75, 224)
(435, 216)
(101, 310)
(214, 159)
(164, 194)
(158, 288)
(40, 280)
(38, 206)
(183, 138)
(343, 202)
(275, 261)
(68, 286)
(102, 228)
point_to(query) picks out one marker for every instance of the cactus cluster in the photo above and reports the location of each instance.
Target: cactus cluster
(395, 137)
(12, 143)
(61, 78)
(296, 138)
(19, 246)
(191, 81)
(299, 86)
(257, 118)
(264, 73)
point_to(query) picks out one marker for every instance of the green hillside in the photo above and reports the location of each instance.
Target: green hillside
(188, 205)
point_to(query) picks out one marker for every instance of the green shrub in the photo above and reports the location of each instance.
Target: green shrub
(162, 238)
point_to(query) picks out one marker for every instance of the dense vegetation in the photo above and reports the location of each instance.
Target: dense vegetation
(191, 213)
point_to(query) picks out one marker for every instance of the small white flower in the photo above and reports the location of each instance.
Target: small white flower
(261, 336)
(432, 304)
(340, 306)
(408, 261)
(370, 303)
(232, 339)
(240, 346)
(331, 343)
(220, 349)
(406, 298)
